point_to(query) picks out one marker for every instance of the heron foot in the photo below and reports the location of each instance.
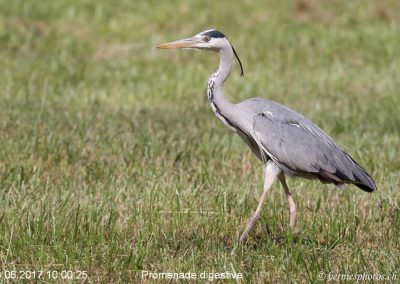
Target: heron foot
(250, 224)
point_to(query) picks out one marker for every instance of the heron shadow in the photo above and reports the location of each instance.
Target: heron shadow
(285, 240)
(289, 238)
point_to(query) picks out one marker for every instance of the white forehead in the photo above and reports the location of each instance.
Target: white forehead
(213, 33)
(204, 32)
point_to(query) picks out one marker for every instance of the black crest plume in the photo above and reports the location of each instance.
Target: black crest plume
(240, 63)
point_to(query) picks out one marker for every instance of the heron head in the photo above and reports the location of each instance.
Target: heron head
(208, 40)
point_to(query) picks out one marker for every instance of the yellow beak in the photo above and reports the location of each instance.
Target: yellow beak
(182, 43)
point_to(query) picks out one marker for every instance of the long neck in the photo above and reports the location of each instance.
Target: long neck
(219, 104)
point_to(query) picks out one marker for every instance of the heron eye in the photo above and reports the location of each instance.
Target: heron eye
(206, 38)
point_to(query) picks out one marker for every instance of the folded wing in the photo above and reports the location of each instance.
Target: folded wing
(302, 148)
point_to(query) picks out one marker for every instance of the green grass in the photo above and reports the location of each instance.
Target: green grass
(112, 162)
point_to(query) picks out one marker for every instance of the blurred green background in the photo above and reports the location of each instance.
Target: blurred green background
(112, 162)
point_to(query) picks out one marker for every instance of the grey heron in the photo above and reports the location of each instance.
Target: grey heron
(286, 142)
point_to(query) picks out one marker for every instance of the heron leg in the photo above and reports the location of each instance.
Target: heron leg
(271, 172)
(292, 206)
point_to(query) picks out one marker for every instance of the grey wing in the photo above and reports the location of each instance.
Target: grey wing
(301, 148)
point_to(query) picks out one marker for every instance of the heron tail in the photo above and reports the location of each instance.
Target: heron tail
(362, 179)
(352, 174)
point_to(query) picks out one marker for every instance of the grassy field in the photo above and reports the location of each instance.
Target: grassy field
(112, 162)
